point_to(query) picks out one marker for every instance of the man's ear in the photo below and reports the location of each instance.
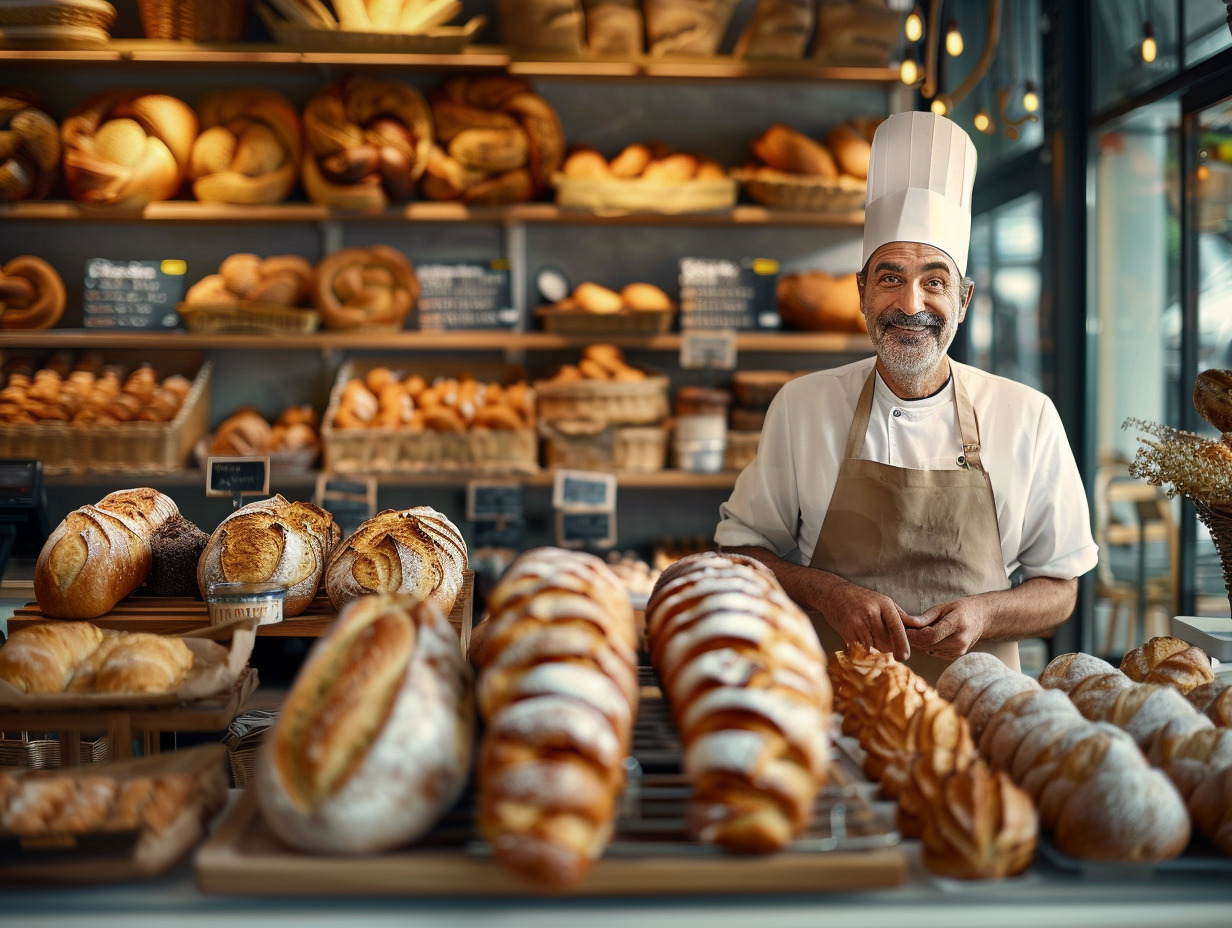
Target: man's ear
(962, 312)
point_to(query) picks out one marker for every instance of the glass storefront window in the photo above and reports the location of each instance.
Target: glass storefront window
(1206, 30)
(1118, 29)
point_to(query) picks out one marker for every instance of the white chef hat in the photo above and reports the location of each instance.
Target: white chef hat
(920, 177)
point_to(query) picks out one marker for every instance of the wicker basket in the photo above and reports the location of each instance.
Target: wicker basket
(588, 444)
(625, 322)
(257, 318)
(1217, 518)
(621, 196)
(199, 20)
(39, 751)
(636, 402)
(803, 192)
(88, 14)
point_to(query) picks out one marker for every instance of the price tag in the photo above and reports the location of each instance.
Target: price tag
(585, 529)
(236, 477)
(465, 295)
(132, 294)
(717, 293)
(712, 348)
(584, 490)
(510, 534)
(493, 502)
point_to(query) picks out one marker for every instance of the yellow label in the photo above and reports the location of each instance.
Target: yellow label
(500, 264)
(765, 266)
(174, 267)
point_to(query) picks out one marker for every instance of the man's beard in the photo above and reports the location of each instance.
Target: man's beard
(912, 360)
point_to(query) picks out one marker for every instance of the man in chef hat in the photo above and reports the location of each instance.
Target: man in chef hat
(908, 502)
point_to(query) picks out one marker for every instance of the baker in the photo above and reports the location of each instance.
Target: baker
(909, 502)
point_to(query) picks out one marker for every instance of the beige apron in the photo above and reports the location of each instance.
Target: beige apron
(920, 537)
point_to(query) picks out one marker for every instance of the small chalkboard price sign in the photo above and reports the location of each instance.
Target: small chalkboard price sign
(493, 501)
(132, 294)
(464, 295)
(718, 293)
(585, 529)
(237, 477)
(588, 490)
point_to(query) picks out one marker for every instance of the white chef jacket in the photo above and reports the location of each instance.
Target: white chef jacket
(780, 500)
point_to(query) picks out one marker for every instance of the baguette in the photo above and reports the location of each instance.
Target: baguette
(374, 740)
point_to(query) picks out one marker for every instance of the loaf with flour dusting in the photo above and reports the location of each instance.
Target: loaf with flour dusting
(42, 658)
(374, 740)
(1168, 660)
(417, 552)
(557, 688)
(745, 678)
(99, 554)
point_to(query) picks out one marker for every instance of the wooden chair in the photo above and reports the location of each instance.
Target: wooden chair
(1131, 513)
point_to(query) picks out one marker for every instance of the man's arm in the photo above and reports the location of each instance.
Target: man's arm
(857, 614)
(949, 630)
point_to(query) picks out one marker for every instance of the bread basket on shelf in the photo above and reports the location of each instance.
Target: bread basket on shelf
(590, 444)
(637, 402)
(803, 192)
(620, 196)
(199, 20)
(248, 318)
(436, 39)
(60, 24)
(625, 322)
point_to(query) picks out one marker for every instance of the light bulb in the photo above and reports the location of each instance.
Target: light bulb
(983, 122)
(914, 26)
(939, 106)
(953, 40)
(1030, 99)
(1149, 48)
(908, 71)
(1204, 172)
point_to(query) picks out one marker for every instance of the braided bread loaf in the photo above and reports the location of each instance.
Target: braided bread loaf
(745, 677)
(127, 148)
(1168, 660)
(557, 687)
(29, 147)
(1092, 786)
(367, 142)
(372, 287)
(417, 552)
(31, 294)
(282, 280)
(1214, 700)
(249, 148)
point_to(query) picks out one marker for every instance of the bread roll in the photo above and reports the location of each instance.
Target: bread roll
(249, 149)
(99, 554)
(1212, 398)
(815, 301)
(30, 162)
(850, 149)
(414, 552)
(785, 149)
(134, 662)
(557, 688)
(41, 659)
(745, 677)
(365, 287)
(271, 541)
(1168, 660)
(32, 294)
(374, 740)
(640, 296)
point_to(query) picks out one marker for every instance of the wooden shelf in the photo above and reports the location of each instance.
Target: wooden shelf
(525, 213)
(752, 342)
(474, 58)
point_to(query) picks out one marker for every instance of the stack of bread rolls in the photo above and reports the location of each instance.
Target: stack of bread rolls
(416, 552)
(31, 294)
(85, 390)
(249, 147)
(496, 142)
(99, 554)
(598, 362)
(30, 160)
(373, 742)
(126, 148)
(368, 287)
(745, 678)
(271, 541)
(1094, 789)
(246, 432)
(386, 399)
(589, 297)
(366, 143)
(557, 689)
(650, 163)
(279, 280)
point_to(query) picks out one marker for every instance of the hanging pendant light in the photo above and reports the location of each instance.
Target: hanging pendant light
(913, 27)
(1149, 48)
(1030, 99)
(953, 39)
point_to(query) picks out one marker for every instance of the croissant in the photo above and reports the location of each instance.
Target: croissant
(745, 678)
(249, 148)
(30, 158)
(32, 294)
(127, 148)
(1168, 660)
(557, 688)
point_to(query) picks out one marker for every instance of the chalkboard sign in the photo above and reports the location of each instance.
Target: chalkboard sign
(492, 502)
(132, 294)
(579, 489)
(465, 295)
(717, 293)
(237, 476)
(585, 529)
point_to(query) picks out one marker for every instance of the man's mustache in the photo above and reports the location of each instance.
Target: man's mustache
(898, 317)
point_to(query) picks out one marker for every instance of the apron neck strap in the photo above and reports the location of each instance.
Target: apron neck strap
(968, 428)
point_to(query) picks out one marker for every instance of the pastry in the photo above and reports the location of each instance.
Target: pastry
(32, 294)
(249, 148)
(30, 162)
(365, 287)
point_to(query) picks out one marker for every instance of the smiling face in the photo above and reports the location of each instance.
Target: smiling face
(913, 300)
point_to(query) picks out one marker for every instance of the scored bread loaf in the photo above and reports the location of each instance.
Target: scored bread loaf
(99, 554)
(557, 688)
(41, 659)
(374, 740)
(417, 552)
(745, 677)
(271, 541)
(1168, 660)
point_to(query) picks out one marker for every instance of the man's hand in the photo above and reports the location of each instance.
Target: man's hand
(949, 630)
(861, 616)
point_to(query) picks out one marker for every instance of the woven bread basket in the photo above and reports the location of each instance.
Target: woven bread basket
(800, 191)
(199, 20)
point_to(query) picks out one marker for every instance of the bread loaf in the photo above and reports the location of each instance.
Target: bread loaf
(99, 554)
(41, 659)
(614, 27)
(745, 678)
(133, 662)
(554, 26)
(85, 802)
(249, 148)
(1168, 660)
(32, 294)
(1214, 700)
(30, 159)
(271, 541)
(1212, 398)
(374, 740)
(815, 301)
(687, 27)
(785, 149)
(175, 550)
(365, 287)
(415, 552)
(557, 689)
(778, 29)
